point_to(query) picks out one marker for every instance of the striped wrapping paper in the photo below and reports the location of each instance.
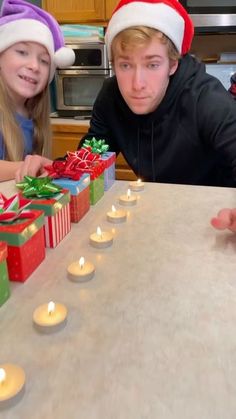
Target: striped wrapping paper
(57, 226)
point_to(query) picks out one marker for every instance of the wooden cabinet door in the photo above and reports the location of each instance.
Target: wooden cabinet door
(66, 138)
(76, 11)
(110, 6)
(123, 171)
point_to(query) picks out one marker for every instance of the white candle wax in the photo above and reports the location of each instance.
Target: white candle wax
(128, 199)
(50, 317)
(12, 381)
(136, 185)
(116, 216)
(101, 239)
(80, 271)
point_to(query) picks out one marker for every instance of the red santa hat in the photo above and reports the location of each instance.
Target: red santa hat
(167, 16)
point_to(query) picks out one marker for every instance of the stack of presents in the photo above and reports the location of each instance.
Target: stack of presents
(41, 213)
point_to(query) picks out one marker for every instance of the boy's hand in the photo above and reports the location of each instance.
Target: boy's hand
(226, 219)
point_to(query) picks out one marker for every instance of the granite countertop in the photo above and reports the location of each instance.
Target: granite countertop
(152, 335)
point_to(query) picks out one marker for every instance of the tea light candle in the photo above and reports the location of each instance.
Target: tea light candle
(136, 185)
(101, 239)
(128, 199)
(50, 317)
(116, 216)
(80, 271)
(12, 381)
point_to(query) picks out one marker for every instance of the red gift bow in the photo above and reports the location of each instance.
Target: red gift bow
(14, 208)
(76, 163)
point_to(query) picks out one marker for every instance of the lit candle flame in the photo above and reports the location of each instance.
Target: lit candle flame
(99, 232)
(81, 262)
(2, 375)
(139, 181)
(51, 307)
(113, 208)
(128, 193)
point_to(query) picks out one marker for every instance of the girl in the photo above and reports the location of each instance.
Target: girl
(31, 46)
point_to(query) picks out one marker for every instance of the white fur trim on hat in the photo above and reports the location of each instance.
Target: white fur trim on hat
(158, 16)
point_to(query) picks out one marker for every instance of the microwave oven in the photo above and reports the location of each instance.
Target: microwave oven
(212, 15)
(77, 86)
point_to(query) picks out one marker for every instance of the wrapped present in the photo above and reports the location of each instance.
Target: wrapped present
(95, 170)
(99, 146)
(109, 159)
(96, 146)
(4, 279)
(54, 201)
(80, 198)
(80, 162)
(25, 238)
(96, 188)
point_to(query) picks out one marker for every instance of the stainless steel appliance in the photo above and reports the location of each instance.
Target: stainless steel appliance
(212, 15)
(76, 87)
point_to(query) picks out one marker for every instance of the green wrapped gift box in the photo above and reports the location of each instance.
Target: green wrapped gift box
(4, 280)
(96, 189)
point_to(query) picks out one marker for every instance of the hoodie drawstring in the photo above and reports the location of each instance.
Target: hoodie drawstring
(139, 163)
(152, 146)
(152, 151)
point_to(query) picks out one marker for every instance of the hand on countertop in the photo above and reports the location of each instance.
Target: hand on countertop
(225, 219)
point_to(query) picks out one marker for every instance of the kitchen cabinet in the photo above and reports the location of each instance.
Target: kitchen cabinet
(80, 11)
(110, 6)
(123, 171)
(66, 136)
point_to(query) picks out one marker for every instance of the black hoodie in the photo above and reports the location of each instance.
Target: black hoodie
(190, 138)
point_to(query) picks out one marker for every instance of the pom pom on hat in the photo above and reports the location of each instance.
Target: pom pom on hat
(21, 21)
(167, 16)
(64, 57)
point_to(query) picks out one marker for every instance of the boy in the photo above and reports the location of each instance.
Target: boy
(173, 122)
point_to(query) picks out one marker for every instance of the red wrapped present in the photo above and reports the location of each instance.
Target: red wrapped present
(26, 247)
(79, 190)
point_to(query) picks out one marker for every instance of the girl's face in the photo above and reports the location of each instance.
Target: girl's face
(24, 68)
(143, 75)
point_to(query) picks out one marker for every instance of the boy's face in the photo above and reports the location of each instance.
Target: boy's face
(143, 75)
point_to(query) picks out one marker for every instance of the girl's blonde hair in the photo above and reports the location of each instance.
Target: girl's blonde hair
(39, 109)
(138, 36)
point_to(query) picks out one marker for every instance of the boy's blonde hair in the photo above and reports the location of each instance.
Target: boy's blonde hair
(13, 140)
(138, 36)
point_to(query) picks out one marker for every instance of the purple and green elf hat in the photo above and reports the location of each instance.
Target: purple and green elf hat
(21, 21)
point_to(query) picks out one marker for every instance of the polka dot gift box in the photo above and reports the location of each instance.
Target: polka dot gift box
(22, 230)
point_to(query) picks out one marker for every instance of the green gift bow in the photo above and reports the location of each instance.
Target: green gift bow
(39, 187)
(97, 146)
